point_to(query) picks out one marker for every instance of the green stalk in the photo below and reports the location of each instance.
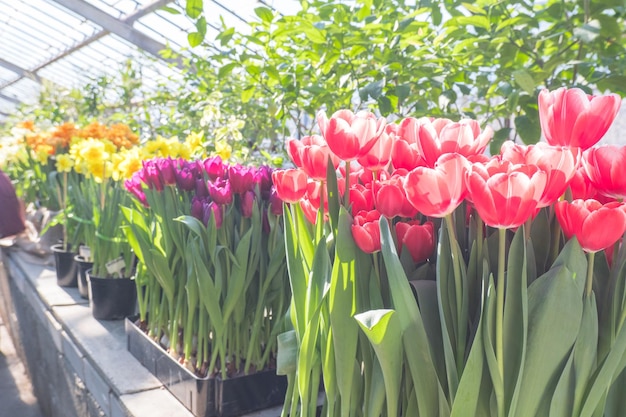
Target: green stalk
(500, 316)
(589, 284)
(458, 283)
(346, 195)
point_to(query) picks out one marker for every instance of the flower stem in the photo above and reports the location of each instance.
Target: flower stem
(589, 285)
(346, 193)
(458, 283)
(500, 312)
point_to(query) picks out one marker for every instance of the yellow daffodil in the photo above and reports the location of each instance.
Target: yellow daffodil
(64, 163)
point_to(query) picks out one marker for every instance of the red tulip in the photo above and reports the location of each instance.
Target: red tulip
(404, 155)
(596, 226)
(366, 231)
(418, 238)
(581, 187)
(350, 135)
(378, 156)
(505, 195)
(558, 162)
(311, 212)
(439, 136)
(314, 156)
(391, 199)
(573, 118)
(361, 198)
(290, 184)
(438, 191)
(605, 167)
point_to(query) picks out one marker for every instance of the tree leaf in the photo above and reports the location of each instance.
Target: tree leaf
(528, 129)
(525, 80)
(194, 8)
(264, 13)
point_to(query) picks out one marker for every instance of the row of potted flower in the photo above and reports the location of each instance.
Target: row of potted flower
(424, 278)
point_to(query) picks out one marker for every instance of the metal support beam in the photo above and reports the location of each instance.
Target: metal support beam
(9, 99)
(113, 25)
(18, 70)
(93, 38)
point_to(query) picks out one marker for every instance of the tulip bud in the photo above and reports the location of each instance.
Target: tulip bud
(247, 203)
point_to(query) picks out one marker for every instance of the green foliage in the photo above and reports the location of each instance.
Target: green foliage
(442, 58)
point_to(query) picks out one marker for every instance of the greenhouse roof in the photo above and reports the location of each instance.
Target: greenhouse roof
(69, 43)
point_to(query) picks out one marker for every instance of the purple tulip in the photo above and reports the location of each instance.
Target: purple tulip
(263, 177)
(247, 203)
(166, 168)
(197, 209)
(212, 209)
(241, 178)
(276, 204)
(214, 167)
(220, 191)
(151, 177)
(201, 190)
(133, 185)
(185, 178)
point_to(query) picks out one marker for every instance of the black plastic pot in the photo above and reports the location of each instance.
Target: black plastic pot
(196, 394)
(206, 397)
(65, 266)
(246, 393)
(83, 267)
(111, 298)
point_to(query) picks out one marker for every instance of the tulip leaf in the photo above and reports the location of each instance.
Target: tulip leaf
(430, 395)
(515, 323)
(382, 328)
(467, 402)
(287, 356)
(237, 279)
(573, 258)
(605, 373)
(489, 336)
(554, 316)
(298, 269)
(540, 234)
(374, 407)
(448, 307)
(426, 291)
(342, 305)
(333, 194)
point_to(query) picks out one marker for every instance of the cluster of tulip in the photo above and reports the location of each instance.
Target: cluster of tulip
(209, 239)
(500, 235)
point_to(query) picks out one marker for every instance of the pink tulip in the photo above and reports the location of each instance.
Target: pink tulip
(350, 135)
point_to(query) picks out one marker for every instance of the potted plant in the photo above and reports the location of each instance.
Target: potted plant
(215, 288)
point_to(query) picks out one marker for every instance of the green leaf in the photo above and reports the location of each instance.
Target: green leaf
(430, 397)
(264, 13)
(247, 94)
(373, 90)
(170, 10)
(554, 315)
(287, 355)
(342, 303)
(525, 80)
(194, 8)
(195, 39)
(312, 33)
(515, 323)
(382, 328)
(528, 129)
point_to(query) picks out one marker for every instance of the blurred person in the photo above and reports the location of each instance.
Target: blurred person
(11, 212)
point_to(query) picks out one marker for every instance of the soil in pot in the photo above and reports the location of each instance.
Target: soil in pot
(83, 267)
(112, 298)
(65, 266)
